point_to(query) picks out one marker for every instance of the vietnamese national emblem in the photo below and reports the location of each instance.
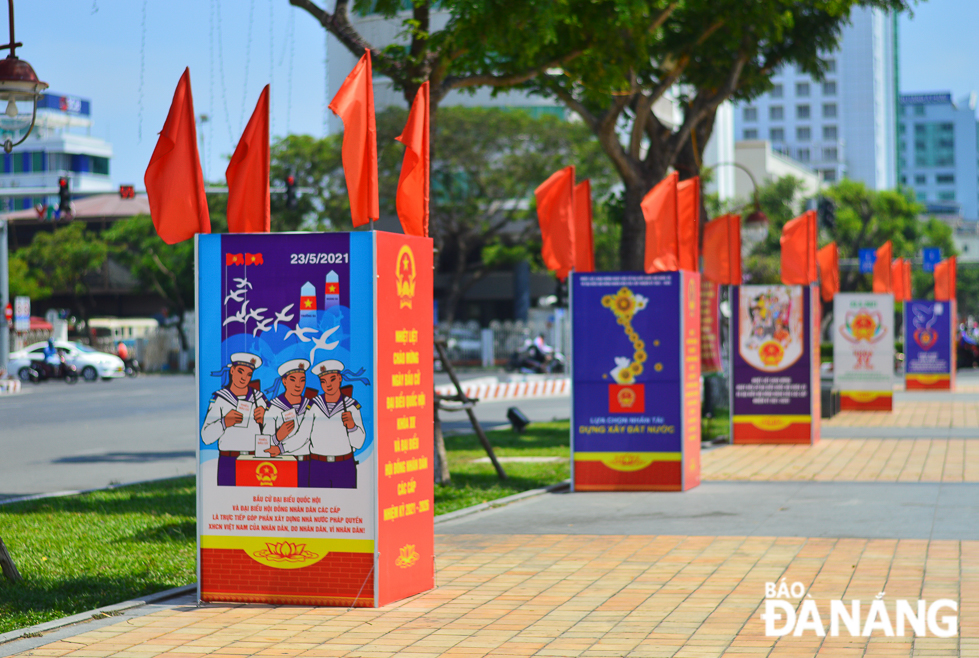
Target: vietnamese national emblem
(266, 474)
(404, 275)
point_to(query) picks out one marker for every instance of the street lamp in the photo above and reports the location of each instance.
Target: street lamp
(757, 219)
(18, 82)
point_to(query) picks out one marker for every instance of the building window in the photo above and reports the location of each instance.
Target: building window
(948, 195)
(750, 133)
(775, 113)
(801, 111)
(776, 135)
(802, 89)
(100, 166)
(829, 154)
(901, 128)
(919, 110)
(920, 179)
(804, 154)
(829, 88)
(945, 161)
(829, 110)
(920, 161)
(776, 91)
(919, 145)
(750, 114)
(904, 180)
(831, 66)
(829, 133)
(829, 175)
(921, 196)
(946, 127)
(920, 129)
(946, 144)
(945, 178)
(803, 134)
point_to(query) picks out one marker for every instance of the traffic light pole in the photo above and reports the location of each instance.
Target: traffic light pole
(4, 297)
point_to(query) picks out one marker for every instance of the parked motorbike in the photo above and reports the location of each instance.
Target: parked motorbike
(132, 367)
(531, 360)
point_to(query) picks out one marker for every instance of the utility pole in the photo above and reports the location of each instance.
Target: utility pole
(4, 296)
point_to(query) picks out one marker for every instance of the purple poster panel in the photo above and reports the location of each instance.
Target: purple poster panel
(772, 364)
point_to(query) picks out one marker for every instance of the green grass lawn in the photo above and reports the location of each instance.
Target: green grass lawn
(82, 552)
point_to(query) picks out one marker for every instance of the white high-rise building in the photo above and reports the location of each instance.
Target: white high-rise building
(845, 125)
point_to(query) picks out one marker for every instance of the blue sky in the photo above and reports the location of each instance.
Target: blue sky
(93, 49)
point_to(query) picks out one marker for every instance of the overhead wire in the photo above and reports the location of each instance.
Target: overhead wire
(271, 69)
(142, 76)
(224, 88)
(248, 59)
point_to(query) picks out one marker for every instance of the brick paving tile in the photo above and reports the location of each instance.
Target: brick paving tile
(586, 596)
(948, 413)
(848, 460)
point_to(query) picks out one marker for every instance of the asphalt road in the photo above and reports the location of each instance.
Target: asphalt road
(55, 437)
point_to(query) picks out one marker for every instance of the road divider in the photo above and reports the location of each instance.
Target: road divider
(521, 390)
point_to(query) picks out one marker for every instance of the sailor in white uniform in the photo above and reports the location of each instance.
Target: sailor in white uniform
(235, 415)
(334, 430)
(285, 416)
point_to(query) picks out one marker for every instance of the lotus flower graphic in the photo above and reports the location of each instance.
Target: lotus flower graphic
(407, 557)
(285, 551)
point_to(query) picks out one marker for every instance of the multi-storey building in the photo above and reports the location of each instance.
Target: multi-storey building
(61, 145)
(843, 125)
(939, 158)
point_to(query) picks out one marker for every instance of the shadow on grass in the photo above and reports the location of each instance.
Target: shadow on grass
(537, 435)
(35, 600)
(167, 533)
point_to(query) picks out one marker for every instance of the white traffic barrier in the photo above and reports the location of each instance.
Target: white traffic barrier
(9, 386)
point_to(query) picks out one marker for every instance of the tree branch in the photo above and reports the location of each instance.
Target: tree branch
(498, 81)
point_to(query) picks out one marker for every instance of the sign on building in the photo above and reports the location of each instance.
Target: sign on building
(636, 381)
(863, 350)
(315, 481)
(22, 313)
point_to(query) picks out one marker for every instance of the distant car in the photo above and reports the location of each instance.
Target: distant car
(91, 364)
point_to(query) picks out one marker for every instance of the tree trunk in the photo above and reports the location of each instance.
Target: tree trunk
(632, 246)
(7, 565)
(441, 469)
(180, 329)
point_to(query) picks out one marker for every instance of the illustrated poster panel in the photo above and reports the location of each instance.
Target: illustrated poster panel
(405, 449)
(710, 327)
(928, 343)
(772, 360)
(692, 344)
(627, 375)
(863, 342)
(287, 420)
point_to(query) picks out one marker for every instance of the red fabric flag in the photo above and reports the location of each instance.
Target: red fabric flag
(174, 181)
(659, 208)
(945, 274)
(722, 250)
(584, 246)
(354, 104)
(908, 285)
(882, 269)
(688, 224)
(897, 279)
(799, 250)
(248, 174)
(555, 212)
(829, 271)
(413, 187)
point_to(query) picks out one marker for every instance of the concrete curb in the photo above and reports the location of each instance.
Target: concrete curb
(98, 613)
(500, 502)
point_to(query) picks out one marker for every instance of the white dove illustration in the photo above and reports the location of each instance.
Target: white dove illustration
(236, 295)
(321, 344)
(282, 317)
(241, 316)
(256, 314)
(243, 283)
(262, 326)
(301, 333)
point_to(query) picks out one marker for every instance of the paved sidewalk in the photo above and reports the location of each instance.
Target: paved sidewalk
(848, 460)
(586, 595)
(939, 413)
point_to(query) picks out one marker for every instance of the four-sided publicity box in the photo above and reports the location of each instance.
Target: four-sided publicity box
(314, 369)
(636, 381)
(929, 345)
(775, 387)
(863, 350)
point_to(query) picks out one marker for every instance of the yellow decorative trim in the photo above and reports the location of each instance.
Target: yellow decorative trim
(772, 423)
(866, 396)
(628, 461)
(927, 379)
(292, 553)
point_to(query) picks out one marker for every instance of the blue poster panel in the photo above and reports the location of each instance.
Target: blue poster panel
(929, 345)
(629, 369)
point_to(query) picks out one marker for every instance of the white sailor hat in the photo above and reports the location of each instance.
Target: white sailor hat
(292, 366)
(330, 365)
(245, 359)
